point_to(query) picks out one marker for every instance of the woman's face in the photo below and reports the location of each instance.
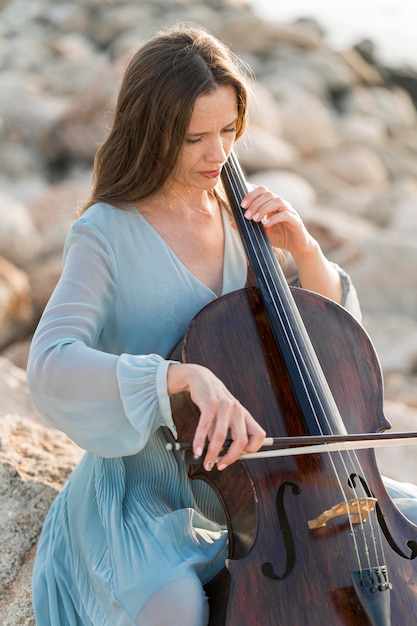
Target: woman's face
(209, 140)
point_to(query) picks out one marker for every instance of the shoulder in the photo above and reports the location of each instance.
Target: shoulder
(103, 217)
(103, 228)
(104, 222)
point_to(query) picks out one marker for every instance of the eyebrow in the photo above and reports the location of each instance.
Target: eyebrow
(206, 133)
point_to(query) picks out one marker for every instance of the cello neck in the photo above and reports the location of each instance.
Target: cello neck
(317, 405)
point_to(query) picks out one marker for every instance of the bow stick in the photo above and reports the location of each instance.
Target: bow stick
(315, 444)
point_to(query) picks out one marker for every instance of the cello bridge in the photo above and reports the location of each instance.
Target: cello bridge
(358, 510)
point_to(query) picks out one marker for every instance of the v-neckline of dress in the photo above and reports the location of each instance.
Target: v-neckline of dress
(226, 226)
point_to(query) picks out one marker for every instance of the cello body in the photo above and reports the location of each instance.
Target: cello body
(280, 570)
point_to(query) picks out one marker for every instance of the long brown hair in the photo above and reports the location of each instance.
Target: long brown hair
(154, 107)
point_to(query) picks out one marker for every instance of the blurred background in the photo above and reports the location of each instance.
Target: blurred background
(333, 129)
(388, 23)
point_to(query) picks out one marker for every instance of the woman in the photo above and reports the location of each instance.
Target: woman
(128, 540)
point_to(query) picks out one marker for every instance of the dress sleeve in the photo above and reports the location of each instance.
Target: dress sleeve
(108, 404)
(350, 300)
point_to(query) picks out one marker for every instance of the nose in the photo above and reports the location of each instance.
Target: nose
(218, 150)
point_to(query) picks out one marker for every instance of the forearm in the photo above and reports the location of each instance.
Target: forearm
(318, 274)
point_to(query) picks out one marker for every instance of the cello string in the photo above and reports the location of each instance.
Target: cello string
(268, 280)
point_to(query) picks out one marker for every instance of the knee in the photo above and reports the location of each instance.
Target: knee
(181, 602)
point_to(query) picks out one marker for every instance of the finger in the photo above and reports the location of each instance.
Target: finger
(212, 428)
(278, 218)
(201, 435)
(260, 205)
(265, 206)
(227, 421)
(211, 459)
(238, 445)
(256, 436)
(253, 436)
(252, 195)
(242, 437)
(216, 444)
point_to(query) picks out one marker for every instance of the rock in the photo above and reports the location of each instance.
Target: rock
(365, 72)
(54, 210)
(329, 188)
(264, 111)
(399, 161)
(320, 72)
(34, 464)
(43, 277)
(404, 77)
(395, 340)
(20, 241)
(17, 352)
(287, 185)
(248, 33)
(402, 389)
(114, 20)
(78, 132)
(355, 164)
(67, 17)
(14, 395)
(307, 122)
(26, 110)
(362, 129)
(16, 308)
(335, 228)
(399, 462)
(13, 18)
(40, 453)
(27, 114)
(304, 33)
(393, 107)
(23, 506)
(383, 271)
(401, 206)
(16, 604)
(261, 151)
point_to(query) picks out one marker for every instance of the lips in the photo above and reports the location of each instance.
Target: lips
(212, 173)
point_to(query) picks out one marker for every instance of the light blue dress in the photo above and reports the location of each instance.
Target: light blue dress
(127, 522)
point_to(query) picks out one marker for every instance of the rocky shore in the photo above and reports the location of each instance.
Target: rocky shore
(334, 132)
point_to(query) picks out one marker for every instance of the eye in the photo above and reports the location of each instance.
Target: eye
(191, 141)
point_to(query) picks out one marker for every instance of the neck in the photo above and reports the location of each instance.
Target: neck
(186, 203)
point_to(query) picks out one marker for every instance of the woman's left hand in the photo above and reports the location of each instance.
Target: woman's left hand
(286, 230)
(284, 226)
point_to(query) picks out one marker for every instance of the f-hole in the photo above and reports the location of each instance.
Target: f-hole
(267, 568)
(381, 521)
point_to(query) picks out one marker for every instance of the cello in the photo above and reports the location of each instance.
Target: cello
(313, 538)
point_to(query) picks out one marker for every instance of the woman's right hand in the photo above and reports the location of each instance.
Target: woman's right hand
(221, 415)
